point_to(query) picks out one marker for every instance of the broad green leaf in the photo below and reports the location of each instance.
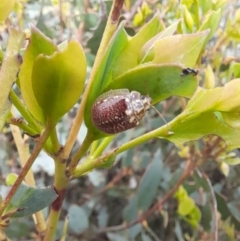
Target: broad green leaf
(31, 199)
(224, 99)
(38, 44)
(103, 74)
(60, 85)
(181, 49)
(211, 22)
(202, 125)
(6, 6)
(150, 182)
(201, 116)
(158, 81)
(128, 58)
(147, 51)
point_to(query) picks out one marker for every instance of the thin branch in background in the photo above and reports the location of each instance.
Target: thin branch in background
(190, 166)
(150, 231)
(214, 205)
(124, 172)
(23, 151)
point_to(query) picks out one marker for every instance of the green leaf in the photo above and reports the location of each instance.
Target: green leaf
(194, 217)
(206, 217)
(223, 208)
(60, 85)
(147, 51)
(200, 116)
(94, 42)
(224, 99)
(6, 6)
(128, 58)
(186, 50)
(205, 124)
(9, 68)
(157, 81)
(38, 44)
(31, 199)
(232, 161)
(185, 207)
(205, 5)
(78, 219)
(104, 74)
(211, 22)
(150, 182)
(236, 70)
(130, 212)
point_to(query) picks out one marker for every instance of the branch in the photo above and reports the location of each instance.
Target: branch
(26, 168)
(108, 32)
(190, 166)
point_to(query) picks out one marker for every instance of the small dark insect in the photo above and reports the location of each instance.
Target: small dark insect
(119, 110)
(188, 71)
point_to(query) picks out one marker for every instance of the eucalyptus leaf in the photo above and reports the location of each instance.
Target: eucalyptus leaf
(78, 219)
(150, 182)
(31, 200)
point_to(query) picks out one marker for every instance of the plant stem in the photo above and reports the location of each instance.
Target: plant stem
(94, 146)
(60, 183)
(26, 168)
(24, 112)
(54, 141)
(108, 32)
(91, 163)
(105, 142)
(80, 152)
(23, 150)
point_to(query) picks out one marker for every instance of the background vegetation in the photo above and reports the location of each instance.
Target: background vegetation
(183, 189)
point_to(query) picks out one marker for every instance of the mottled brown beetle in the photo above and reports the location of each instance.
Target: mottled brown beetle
(119, 110)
